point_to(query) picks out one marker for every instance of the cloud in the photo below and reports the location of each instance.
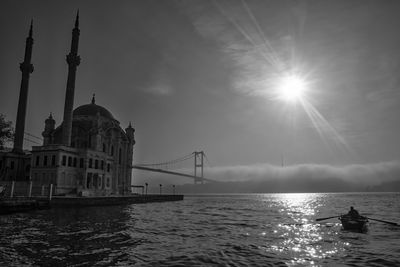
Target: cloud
(367, 174)
(161, 84)
(261, 178)
(241, 38)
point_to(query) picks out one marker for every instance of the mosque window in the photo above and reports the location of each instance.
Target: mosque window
(53, 178)
(104, 147)
(90, 163)
(75, 162)
(108, 167)
(69, 161)
(99, 181)
(45, 161)
(53, 160)
(89, 180)
(37, 160)
(96, 164)
(108, 181)
(102, 164)
(81, 163)
(112, 150)
(64, 160)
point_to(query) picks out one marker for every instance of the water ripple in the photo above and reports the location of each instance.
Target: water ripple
(229, 230)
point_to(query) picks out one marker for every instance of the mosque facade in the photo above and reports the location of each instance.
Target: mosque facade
(89, 153)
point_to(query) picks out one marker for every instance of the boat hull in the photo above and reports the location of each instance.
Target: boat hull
(354, 224)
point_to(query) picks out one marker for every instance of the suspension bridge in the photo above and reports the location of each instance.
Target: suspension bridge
(164, 167)
(198, 158)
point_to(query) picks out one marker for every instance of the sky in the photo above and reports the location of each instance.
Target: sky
(200, 75)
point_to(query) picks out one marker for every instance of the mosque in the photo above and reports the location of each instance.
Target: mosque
(88, 154)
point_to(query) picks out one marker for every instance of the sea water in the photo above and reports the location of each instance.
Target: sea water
(207, 230)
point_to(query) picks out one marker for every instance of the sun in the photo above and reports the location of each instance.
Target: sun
(291, 88)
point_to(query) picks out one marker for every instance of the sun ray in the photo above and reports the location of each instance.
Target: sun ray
(267, 44)
(323, 127)
(267, 54)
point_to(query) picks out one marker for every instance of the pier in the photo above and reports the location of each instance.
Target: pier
(23, 197)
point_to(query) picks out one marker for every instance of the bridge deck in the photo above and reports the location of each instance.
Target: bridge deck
(171, 172)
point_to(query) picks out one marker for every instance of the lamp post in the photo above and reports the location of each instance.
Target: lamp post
(146, 187)
(160, 188)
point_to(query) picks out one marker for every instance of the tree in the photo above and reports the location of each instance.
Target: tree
(6, 130)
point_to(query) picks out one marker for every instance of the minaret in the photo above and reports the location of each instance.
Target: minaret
(130, 132)
(26, 68)
(73, 61)
(49, 127)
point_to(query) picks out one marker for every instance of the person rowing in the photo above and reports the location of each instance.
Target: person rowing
(353, 213)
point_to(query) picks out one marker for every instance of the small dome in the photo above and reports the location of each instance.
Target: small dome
(50, 119)
(92, 110)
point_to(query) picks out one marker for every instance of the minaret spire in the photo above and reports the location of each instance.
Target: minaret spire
(31, 29)
(73, 61)
(26, 68)
(77, 20)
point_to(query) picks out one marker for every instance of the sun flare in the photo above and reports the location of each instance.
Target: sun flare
(291, 88)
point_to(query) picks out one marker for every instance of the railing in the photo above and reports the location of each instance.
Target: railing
(12, 189)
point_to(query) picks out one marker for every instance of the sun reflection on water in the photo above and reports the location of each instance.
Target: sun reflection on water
(301, 240)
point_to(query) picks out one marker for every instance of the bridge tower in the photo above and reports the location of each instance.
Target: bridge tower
(198, 163)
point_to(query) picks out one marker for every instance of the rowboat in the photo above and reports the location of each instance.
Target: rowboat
(354, 223)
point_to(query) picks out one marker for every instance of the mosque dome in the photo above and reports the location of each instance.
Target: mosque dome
(92, 109)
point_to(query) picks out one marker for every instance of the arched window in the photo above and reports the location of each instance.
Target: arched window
(112, 150)
(104, 147)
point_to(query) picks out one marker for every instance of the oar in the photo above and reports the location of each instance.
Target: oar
(392, 223)
(321, 219)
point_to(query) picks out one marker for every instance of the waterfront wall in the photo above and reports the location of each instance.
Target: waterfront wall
(111, 200)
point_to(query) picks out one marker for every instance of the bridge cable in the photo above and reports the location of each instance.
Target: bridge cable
(170, 162)
(31, 135)
(208, 162)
